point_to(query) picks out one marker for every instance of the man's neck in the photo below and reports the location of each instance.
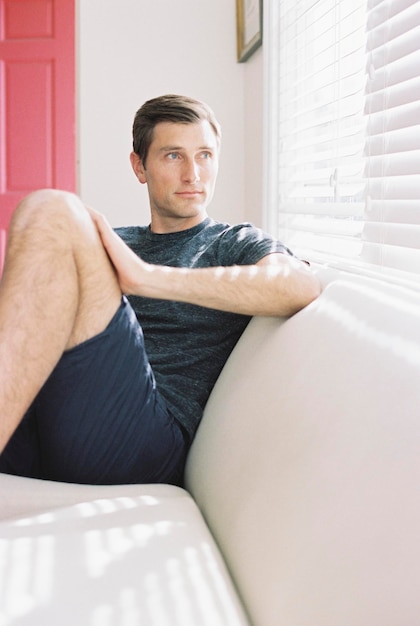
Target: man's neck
(163, 226)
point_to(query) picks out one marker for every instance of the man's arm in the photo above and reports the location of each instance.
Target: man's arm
(277, 285)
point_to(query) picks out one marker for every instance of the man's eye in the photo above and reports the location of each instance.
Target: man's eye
(173, 156)
(206, 155)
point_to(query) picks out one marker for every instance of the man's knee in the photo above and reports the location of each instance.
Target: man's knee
(48, 208)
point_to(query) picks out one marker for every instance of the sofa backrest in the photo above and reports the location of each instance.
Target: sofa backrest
(306, 465)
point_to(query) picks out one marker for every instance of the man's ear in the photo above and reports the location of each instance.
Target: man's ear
(138, 168)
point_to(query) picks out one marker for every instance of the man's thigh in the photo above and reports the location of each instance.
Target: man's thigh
(99, 417)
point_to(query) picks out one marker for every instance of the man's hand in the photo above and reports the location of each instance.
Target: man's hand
(128, 266)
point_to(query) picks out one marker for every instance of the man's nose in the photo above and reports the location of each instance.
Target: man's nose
(191, 171)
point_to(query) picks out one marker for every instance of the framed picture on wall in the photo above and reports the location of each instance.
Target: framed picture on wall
(248, 27)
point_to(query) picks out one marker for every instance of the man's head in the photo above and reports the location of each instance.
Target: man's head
(176, 142)
(168, 108)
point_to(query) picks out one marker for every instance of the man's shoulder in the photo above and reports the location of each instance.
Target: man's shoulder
(131, 234)
(217, 228)
(240, 232)
(245, 244)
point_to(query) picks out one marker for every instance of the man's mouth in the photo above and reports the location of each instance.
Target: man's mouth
(191, 193)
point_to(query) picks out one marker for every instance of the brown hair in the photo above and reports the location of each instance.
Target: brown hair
(168, 108)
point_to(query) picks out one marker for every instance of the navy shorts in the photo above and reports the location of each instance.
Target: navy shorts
(99, 418)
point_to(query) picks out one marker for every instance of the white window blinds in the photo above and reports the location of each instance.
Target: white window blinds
(391, 233)
(343, 130)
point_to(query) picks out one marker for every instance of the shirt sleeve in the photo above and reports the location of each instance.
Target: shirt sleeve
(245, 244)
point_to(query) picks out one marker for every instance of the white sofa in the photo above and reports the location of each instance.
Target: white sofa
(302, 505)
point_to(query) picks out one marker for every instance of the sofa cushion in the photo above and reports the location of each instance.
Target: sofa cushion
(306, 463)
(109, 555)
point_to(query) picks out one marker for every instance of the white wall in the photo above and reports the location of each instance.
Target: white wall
(132, 50)
(254, 135)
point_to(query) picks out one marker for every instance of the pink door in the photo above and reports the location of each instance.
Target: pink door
(37, 100)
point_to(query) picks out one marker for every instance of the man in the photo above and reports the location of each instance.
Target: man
(84, 395)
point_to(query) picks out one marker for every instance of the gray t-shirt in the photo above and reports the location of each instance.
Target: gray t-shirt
(188, 345)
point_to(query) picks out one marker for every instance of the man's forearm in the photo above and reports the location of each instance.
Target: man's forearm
(279, 289)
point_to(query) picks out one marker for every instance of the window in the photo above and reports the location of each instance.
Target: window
(343, 176)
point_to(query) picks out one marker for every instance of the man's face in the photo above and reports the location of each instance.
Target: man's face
(180, 173)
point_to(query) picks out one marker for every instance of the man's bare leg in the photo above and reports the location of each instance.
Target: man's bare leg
(58, 289)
